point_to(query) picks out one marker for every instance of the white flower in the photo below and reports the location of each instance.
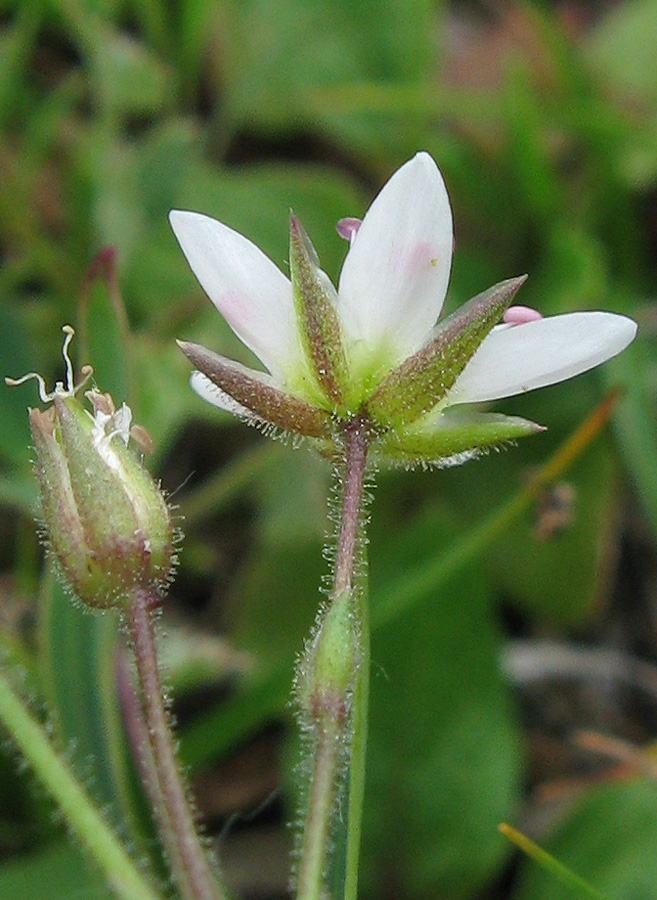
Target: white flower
(373, 347)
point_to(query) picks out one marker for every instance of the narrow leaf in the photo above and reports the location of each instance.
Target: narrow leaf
(562, 873)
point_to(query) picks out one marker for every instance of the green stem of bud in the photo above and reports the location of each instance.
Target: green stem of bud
(190, 866)
(332, 689)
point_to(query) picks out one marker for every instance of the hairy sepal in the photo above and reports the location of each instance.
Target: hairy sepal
(257, 393)
(451, 438)
(424, 379)
(316, 315)
(106, 521)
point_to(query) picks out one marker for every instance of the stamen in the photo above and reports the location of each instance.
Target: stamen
(44, 396)
(86, 372)
(348, 228)
(519, 315)
(69, 332)
(59, 389)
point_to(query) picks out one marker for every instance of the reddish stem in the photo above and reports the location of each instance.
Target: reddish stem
(352, 498)
(190, 866)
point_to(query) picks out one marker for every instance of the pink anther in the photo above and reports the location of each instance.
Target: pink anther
(348, 228)
(519, 315)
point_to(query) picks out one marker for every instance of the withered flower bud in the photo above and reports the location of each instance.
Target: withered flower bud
(106, 521)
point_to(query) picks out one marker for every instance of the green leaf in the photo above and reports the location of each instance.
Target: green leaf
(574, 270)
(16, 45)
(277, 595)
(635, 370)
(131, 79)
(55, 773)
(276, 53)
(116, 218)
(609, 840)
(78, 657)
(16, 362)
(104, 343)
(443, 755)
(528, 151)
(256, 202)
(555, 561)
(60, 872)
(621, 49)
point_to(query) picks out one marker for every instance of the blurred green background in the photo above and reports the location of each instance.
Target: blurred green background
(543, 120)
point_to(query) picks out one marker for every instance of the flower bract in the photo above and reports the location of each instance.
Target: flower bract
(375, 347)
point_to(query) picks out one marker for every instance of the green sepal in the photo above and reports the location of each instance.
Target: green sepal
(423, 380)
(258, 395)
(58, 509)
(317, 316)
(450, 438)
(107, 523)
(325, 676)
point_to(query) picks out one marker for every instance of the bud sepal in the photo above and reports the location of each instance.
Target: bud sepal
(105, 520)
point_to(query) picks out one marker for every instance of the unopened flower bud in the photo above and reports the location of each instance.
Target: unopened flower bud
(106, 521)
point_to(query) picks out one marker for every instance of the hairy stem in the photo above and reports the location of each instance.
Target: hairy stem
(190, 866)
(338, 709)
(321, 798)
(352, 498)
(347, 557)
(359, 714)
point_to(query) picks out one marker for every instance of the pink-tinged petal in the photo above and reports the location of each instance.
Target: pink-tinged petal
(250, 292)
(395, 276)
(518, 358)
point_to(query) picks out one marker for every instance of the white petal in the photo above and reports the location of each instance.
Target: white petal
(395, 276)
(518, 358)
(250, 292)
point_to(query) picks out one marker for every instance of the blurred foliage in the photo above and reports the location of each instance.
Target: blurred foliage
(543, 120)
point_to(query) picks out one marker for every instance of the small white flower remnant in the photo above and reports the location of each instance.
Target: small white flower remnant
(375, 347)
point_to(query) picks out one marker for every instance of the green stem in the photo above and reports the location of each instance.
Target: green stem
(189, 862)
(321, 797)
(90, 828)
(338, 714)
(351, 543)
(360, 706)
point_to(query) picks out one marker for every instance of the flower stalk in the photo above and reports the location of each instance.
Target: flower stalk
(332, 693)
(355, 435)
(190, 866)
